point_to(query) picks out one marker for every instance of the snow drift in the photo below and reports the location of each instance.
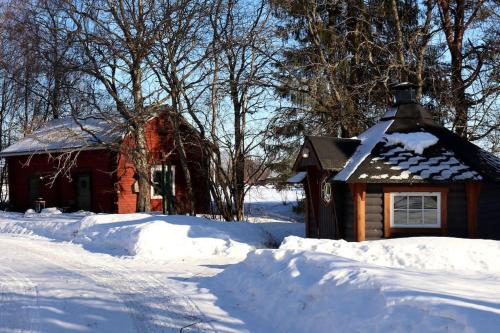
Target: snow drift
(416, 253)
(166, 237)
(311, 291)
(151, 236)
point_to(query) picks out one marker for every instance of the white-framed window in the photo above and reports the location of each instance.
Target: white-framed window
(156, 180)
(326, 191)
(415, 209)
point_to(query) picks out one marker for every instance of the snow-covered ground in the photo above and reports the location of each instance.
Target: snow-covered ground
(265, 204)
(87, 272)
(404, 285)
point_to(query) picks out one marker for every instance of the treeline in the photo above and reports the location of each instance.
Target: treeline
(252, 76)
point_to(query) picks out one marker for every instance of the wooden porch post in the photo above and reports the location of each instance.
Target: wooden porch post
(306, 207)
(472, 190)
(359, 194)
(313, 216)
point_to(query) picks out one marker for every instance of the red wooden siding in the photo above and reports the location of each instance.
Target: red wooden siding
(159, 138)
(98, 163)
(112, 176)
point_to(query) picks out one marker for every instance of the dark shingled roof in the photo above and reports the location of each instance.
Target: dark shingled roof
(452, 158)
(332, 153)
(393, 163)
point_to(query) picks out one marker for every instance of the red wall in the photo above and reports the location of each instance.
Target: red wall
(159, 138)
(112, 176)
(98, 163)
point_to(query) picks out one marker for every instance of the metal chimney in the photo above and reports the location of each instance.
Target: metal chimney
(404, 93)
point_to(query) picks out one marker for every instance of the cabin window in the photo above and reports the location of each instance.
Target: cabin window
(326, 191)
(156, 181)
(415, 209)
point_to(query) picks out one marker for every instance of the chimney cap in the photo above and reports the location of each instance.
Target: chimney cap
(403, 93)
(402, 85)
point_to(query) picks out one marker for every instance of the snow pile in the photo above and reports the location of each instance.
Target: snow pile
(50, 211)
(417, 141)
(152, 236)
(30, 212)
(416, 253)
(49, 224)
(306, 291)
(166, 237)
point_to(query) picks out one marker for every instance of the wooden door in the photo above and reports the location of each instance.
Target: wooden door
(83, 192)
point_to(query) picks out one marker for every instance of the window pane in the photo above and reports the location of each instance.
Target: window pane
(400, 202)
(430, 217)
(400, 217)
(157, 182)
(415, 217)
(430, 202)
(415, 202)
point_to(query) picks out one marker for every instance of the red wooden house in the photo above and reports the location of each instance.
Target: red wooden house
(102, 179)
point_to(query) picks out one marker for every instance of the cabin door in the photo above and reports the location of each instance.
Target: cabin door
(34, 185)
(83, 192)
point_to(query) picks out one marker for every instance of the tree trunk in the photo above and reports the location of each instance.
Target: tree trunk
(239, 158)
(239, 187)
(143, 172)
(184, 165)
(459, 97)
(453, 23)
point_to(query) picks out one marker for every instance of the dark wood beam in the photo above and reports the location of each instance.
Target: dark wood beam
(359, 196)
(472, 190)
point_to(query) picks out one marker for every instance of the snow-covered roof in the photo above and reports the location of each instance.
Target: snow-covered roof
(369, 140)
(297, 178)
(415, 141)
(394, 161)
(65, 134)
(407, 146)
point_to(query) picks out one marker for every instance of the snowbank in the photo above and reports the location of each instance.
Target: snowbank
(151, 236)
(416, 253)
(166, 237)
(159, 237)
(55, 226)
(305, 291)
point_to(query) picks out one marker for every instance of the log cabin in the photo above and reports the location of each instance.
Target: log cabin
(101, 178)
(405, 176)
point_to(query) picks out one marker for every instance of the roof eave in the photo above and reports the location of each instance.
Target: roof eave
(52, 151)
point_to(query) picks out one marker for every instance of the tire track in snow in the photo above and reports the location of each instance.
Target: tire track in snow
(19, 310)
(153, 306)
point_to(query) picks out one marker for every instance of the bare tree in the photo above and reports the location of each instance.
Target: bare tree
(116, 38)
(240, 98)
(471, 33)
(179, 63)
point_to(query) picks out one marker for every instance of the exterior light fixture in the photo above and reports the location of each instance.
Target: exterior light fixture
(305, 152)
